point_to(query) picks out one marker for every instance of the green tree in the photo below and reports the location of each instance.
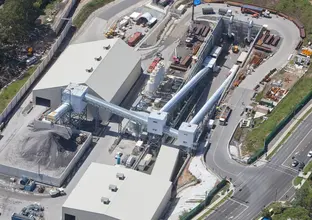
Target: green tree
(16, 19)
(297, 213)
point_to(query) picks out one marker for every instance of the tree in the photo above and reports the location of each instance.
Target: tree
(16, 19)
(297, 213)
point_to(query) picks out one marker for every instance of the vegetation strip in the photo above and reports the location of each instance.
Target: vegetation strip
(10, 92)
(288, 134)
(87, 10)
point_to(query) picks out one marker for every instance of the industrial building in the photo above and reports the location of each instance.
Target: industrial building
(166, 163)
(112, 192)
(108, 67)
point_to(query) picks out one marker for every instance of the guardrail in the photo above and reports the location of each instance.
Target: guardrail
(36, 74)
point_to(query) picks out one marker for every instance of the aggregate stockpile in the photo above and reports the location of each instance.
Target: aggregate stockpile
(50, 148)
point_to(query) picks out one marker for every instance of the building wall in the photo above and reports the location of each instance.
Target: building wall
(127, 85)
(52, 94)
(159, 212)
(84, 215)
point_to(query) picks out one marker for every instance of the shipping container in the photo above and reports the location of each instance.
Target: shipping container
(253, 8)
(199, 29)
(205, 33)
(237, 4)
(263, 48)
(208, 10)
(275, 41)
(196, 48)
(223, 11)
(269, 39)
(302, 33)
(186, 61)
(134, 39)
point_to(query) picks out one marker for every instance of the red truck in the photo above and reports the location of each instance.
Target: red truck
(134, 39)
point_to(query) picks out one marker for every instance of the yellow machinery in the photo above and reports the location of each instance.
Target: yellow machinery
(235, 49)
(111, 33)
(306, 51)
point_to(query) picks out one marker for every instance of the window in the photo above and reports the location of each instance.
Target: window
(70, 217)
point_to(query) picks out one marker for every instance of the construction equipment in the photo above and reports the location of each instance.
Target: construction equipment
(112, 31)
(306, 51)
(30, 51)
(235, 49)
(225, 115)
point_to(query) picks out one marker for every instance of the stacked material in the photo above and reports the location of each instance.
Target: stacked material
(52, 149)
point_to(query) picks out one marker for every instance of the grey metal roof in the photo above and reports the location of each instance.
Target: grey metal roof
(137, 190)
(109, 68)
(165, 162)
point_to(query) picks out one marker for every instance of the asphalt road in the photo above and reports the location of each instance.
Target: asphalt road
(256, 187)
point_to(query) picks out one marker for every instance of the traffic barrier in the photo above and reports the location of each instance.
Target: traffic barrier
(195, 211)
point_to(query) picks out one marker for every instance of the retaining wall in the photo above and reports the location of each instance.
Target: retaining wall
(46, 179)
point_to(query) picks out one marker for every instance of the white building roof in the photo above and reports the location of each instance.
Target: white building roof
(216, 51)
(147, 16)
(242, 57)
(107, 75)
(138, 196)
(165, 162)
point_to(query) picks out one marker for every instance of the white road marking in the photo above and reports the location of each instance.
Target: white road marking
(240, 213)
(281, 171)
(297, 146)
(238, 202)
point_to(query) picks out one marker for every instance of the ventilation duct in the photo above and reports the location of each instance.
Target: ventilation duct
(105, 200)
(107, 47)
(98, 58)
(113, 188)
(89, 70)
(120, 176)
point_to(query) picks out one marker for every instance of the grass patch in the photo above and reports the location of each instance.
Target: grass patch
(255, 138)
(289, 133)
(87, 10)
(297, 180)
(215, 206)
(8, 93)
(260, 95)
(307, 168)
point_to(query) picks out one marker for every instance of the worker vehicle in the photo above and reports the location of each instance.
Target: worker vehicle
(301, 165)
(225, 115)
(32, 60)
(266, 14)
(235, 49)
(55, 192)
(310, 153)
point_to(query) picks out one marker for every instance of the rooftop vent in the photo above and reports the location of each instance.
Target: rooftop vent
(120, 176)
(107, 47)
(113, 188)
(105, 200)
(98, 58)
(89, 70)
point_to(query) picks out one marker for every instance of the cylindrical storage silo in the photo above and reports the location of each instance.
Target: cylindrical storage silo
(208, 10)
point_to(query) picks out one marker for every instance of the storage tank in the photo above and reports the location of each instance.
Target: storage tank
(208, 10)
(223, 11)
(150, 87)
(118, 160)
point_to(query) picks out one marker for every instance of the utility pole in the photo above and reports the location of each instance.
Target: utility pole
(193, 7)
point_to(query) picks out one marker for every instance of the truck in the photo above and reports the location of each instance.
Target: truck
(145, 162)
(134, 39)
(55, 192)
(130, 161)
(17, 216)
(225, 115)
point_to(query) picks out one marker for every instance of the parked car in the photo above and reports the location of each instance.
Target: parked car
(301, 165)
(294, 163)
(55, 192)
(310, 153)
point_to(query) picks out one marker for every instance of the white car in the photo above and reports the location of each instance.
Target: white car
(310, 153)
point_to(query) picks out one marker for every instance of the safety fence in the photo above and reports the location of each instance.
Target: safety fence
(195, 211)
(36, 74)
(279, 127)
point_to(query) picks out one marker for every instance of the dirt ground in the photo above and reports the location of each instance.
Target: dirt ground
(186, 177)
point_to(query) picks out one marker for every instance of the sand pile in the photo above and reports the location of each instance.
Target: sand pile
(52, 149)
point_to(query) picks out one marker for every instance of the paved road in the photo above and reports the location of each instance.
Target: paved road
(256, 186)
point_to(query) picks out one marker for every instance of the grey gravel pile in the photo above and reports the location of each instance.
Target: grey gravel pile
(49, 148)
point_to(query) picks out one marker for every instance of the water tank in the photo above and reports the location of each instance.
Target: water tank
(150, 87)
(118, 159)
(208, 10)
